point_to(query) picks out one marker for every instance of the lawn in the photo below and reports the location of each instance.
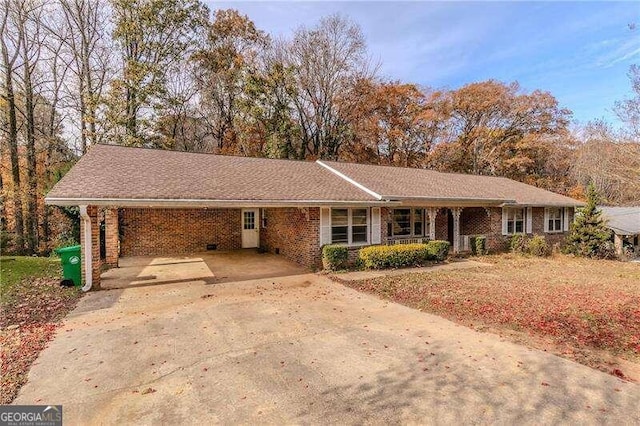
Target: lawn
(587, 310)
(33, 304)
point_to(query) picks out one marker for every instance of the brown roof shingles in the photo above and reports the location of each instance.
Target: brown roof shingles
(110, 172)
(114, 172)
(410, 183)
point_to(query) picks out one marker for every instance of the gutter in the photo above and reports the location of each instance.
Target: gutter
(167, 202)
(87, 258)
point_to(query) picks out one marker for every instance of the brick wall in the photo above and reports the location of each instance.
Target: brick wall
(442, 225)
(111, 237)
(178, 231)
(475, 221)
(498, 242)
(295, 233)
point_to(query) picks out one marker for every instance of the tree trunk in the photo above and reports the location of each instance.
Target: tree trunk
(32, 183)
(13, 157)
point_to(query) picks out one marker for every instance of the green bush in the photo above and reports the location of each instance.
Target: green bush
(518, 244)
(478, 245)
(537, 246)
(394, 256)
(438, 250)
(589, 235)
(335, 256)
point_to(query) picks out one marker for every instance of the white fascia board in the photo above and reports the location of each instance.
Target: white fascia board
(348, 179)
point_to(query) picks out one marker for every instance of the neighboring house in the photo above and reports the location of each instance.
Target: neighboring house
(154, 202)
(625, 224)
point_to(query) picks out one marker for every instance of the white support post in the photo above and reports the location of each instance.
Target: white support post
(456, 228)
(432, 213)
(88, 249)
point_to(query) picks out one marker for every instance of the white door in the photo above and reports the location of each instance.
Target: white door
(250, 229)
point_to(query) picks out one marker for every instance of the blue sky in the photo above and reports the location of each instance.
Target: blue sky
(579, 51)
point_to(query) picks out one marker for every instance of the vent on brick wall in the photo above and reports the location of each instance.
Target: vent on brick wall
(277, 251)
(212, 247)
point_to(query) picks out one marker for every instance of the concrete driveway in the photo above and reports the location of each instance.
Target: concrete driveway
(301, 349)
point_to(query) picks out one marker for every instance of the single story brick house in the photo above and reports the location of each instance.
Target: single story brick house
(138, 201)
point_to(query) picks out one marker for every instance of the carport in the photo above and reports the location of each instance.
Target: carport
(152, 205)
(206, 268)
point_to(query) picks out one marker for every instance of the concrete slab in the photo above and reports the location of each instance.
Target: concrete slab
(301, 349)
(209, 267)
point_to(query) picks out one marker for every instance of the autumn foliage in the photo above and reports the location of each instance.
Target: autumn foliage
(578, 304)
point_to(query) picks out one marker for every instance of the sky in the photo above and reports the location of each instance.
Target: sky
(579, 51)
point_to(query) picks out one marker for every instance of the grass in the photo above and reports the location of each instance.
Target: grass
(33, 305)
(14, 269)
(587, 310)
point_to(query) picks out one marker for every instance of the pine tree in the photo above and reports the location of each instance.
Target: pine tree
(589, 234)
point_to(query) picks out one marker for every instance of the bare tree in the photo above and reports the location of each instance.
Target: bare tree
(327, 61)
(11, 45)
(83, 31)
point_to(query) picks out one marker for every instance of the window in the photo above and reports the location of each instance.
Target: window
(407, 223)
(349, 226)
(249, 220)
(359, 226)
(515, 221)
(340, 225)
(554, 220)
(418, 222)
(401, 222)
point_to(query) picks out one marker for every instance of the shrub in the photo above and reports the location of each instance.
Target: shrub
(478, 245)
(395, 256)
(335, 256)
(438, 250)
(518, 244)
(589, 234)
(537, 246)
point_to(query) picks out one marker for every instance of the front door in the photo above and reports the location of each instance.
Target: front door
(250, 230)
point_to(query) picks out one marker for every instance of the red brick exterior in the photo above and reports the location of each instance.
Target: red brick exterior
(294, 233)
(111, 237)
(149, 232)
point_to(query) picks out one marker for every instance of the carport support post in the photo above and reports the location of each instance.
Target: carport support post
(90, 246)
(618, 244)
(111, 236)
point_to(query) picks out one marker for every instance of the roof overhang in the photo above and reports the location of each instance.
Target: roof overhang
(560, 204)
(203, 203)
(449, 202)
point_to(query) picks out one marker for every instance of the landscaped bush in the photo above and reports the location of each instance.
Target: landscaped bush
(518, 244)
(438, 250)
(478, 245)
(395, 256)
(335, 256)
(537, 246)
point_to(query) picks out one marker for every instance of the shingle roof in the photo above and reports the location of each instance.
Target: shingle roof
(408, 183)
(115, 172)
(623, 220)
(110, 173)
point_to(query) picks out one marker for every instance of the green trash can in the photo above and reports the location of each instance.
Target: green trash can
(71, 265)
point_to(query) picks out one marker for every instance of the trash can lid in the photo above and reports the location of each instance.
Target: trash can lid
(67, 249)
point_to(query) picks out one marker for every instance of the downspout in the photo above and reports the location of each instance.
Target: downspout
(86, 241)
